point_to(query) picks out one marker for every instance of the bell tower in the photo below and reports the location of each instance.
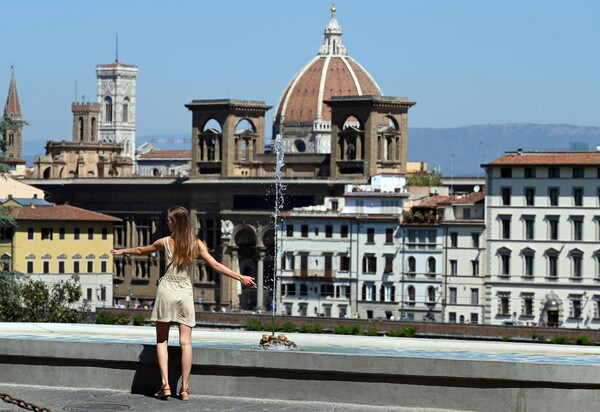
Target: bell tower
(369, 135)
(117, 98)
(85, 122)
(13, 138)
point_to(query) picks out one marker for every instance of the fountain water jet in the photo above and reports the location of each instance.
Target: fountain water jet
(281, 340)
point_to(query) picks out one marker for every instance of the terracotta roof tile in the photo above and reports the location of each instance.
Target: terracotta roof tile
(301, 99)
(470, 198)
(431, 201)
(179, 154)
(550, 159)
(60, 212)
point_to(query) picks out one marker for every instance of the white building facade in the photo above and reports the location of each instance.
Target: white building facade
(464, 258)
(341, 259)
(543, 217)
(421, 259)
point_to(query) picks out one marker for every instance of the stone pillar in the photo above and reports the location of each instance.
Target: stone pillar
(235, 286)
(260, 279)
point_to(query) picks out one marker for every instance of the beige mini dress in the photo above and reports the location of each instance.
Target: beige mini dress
(174, 296)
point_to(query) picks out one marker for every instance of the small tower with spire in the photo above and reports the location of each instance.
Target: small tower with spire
(13, 138)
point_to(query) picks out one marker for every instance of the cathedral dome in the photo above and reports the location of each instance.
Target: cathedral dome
(331, 73)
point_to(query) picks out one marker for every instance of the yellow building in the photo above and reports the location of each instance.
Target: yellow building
(51, 243)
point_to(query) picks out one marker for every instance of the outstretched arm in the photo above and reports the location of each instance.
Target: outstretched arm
(141, 250)
(222, 269)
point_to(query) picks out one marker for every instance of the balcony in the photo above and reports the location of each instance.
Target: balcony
(314, 273)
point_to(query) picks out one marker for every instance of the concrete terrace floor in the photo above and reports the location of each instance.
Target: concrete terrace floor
(99, 400)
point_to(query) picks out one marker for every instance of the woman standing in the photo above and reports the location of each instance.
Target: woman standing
(174, 302)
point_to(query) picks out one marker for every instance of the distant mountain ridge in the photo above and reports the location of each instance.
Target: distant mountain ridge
(456, 151)
(460, 151)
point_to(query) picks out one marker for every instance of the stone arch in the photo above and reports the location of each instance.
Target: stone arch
(245, 236)
(210, 141)
(212, 123)
(270, 248)
(246, 140)
(388, 139)
(228, 112)
(245, 239)
(245, 124)
(351, 139)
(552, 310)
(47, 173)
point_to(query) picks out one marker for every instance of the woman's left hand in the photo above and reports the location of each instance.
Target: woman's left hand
(248, 281)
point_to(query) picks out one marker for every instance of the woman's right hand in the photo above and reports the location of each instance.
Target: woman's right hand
(248, 281)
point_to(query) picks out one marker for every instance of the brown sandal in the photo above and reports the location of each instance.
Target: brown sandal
(163, 392)
(184, 394)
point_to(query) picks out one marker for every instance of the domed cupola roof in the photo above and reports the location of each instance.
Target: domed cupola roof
(331, 73)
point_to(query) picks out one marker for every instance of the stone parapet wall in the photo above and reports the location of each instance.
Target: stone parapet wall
(424, 329)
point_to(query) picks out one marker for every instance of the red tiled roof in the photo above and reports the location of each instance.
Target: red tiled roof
(551, 159)
(343, 77)
(179, 154)
(431, 201)
(470, 198)
(59, 212)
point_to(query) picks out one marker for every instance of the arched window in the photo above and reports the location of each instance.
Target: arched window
(431, 265)
(125, 114)
(108, 109)
(412, 264)
(431, 294)
(93, 130)
(81, 129)
(410, 291)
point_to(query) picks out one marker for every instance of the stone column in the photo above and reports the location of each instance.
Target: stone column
(260, 279)
(235, 287)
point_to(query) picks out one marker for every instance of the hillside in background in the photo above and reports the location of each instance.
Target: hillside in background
(457, 151)
(460, 151)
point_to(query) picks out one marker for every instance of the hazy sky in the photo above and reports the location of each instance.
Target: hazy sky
(463, 62)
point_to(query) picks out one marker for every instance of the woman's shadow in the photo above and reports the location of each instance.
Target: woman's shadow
(146, 380)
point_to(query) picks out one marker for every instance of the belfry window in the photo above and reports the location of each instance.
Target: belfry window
(108, 107)
(125, 114)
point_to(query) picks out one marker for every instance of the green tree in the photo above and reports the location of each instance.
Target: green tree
(25, 300)
(424, 179)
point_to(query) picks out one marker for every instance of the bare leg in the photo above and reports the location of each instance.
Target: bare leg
(162, 350)
(185, 341)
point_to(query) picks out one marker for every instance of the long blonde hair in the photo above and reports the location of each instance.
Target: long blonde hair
(185, 247)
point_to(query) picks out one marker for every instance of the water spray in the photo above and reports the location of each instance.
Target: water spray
(279, 190)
